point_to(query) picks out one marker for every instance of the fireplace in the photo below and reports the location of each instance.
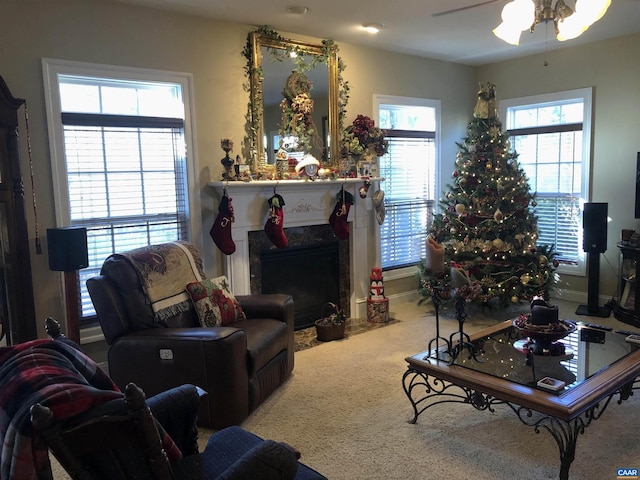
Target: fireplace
(307, 208)
(313, 269)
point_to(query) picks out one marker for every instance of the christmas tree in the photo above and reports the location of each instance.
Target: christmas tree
(482, 246)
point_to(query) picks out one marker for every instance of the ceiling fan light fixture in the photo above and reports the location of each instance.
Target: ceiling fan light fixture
(569, 23)
(517, 16)
(372, 28)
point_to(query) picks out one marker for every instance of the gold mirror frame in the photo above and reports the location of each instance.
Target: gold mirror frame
(279, 47)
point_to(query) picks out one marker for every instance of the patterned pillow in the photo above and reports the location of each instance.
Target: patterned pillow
(214, 302)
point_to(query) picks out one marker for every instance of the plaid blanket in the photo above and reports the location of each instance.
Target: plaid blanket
(164, 271)
(54, 374)
(58, 376)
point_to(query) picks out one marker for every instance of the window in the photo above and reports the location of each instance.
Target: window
(409, 170)
(119, 158)
(551, 134)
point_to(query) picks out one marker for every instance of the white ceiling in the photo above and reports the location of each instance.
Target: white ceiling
(409, 25)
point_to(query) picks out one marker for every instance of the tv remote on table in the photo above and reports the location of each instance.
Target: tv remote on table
(633, 339)
(594, 325)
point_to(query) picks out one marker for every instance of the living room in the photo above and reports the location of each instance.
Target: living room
(116, 33)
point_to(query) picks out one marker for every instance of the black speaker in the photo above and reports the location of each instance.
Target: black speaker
(67, 249)
(594, 224)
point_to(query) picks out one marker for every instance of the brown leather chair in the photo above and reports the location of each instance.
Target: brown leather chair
(238, 365)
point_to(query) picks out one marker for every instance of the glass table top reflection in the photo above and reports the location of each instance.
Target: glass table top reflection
(504, 354)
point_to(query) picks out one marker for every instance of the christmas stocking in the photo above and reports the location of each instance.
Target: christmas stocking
(378, 204)
(274, 228)
(338, 218)
(221, 229)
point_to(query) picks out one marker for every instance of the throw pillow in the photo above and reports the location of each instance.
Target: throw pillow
(214, 302)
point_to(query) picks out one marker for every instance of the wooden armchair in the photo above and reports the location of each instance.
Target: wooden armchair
(133, 445)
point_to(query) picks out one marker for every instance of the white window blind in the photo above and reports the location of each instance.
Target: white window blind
(126, 184)
(551, 134)
(409, 172)
(553, 164)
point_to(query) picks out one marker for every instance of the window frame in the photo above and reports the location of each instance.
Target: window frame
(52, 69)
(380, 99)
(550, 99)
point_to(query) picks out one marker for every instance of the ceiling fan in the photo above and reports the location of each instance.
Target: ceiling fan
(460, 9)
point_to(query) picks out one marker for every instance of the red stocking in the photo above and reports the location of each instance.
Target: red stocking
(221, 229)
(274, 228)
(338, 218)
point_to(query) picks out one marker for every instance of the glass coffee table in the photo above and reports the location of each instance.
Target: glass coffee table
(595, 366)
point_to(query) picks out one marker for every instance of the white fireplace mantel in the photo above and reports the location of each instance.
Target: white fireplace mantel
(306, 203)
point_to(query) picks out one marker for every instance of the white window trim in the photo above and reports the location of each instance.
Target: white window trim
(584, 94)
(378, 99)
(52, 68)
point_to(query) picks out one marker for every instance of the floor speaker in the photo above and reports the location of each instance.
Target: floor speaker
(594, 224)
(67, 249)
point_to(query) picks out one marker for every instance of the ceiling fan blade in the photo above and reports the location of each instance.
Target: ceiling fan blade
(447, 12)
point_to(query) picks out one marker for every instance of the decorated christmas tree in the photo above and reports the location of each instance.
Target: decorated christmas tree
(482, 246)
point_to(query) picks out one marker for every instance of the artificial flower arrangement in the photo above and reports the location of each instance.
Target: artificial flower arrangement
(297, 110)
(363, 137)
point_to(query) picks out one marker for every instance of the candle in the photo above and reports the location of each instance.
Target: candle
(435, 255)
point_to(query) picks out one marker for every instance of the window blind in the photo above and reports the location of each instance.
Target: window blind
(409, 172)
(553, 164)
(125, 185)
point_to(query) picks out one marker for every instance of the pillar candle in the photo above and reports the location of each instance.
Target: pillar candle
(435, 256)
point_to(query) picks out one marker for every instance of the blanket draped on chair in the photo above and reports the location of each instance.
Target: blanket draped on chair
(164, 271)
(54, 374)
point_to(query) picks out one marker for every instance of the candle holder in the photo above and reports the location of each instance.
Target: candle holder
(227, 162)
(437, 301)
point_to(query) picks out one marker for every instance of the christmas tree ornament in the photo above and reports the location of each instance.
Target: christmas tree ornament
(515, 299)
(543, 260)
(221, 229)
(460, 208)
(498, 216)
(338, 218)
(362, 191)
(488, 166)
(274, 226)
(525, 278)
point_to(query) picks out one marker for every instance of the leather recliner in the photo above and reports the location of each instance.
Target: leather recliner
(239, 365)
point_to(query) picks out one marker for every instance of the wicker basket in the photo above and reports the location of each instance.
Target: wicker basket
(326, 330)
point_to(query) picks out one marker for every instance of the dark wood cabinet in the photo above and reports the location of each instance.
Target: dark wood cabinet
(17, 310)
(626, 309)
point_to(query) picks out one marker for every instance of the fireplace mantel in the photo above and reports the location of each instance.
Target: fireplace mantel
(306, 203)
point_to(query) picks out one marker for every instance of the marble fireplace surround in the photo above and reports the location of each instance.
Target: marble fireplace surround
(307, 203)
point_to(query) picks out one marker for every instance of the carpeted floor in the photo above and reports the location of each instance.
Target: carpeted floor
(345, 409)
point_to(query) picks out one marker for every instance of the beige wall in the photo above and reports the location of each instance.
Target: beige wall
(612, 68)
(100, 32)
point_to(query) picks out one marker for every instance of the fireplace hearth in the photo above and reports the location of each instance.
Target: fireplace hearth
(313, 269)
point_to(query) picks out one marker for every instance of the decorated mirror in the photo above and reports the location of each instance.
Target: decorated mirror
(294, 99)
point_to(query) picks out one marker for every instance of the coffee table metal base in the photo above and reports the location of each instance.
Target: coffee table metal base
(425, 391)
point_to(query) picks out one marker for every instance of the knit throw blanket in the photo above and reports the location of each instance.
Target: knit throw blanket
(54, 374)
(164, 271)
